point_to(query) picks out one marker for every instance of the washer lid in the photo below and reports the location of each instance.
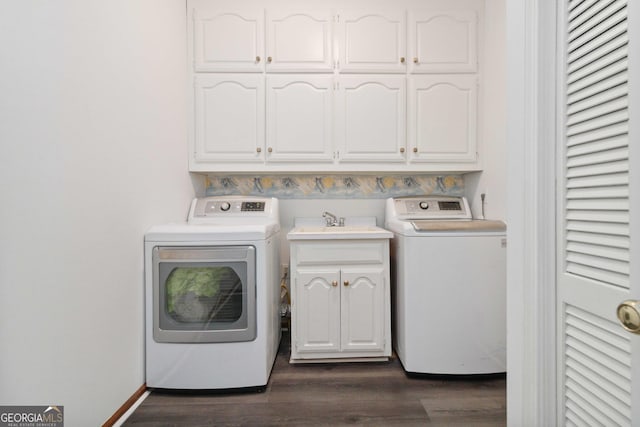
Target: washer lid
(458, 225)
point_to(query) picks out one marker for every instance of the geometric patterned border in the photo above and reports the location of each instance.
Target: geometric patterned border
(299, 186)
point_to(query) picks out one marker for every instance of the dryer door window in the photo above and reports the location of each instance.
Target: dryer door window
(204, 294)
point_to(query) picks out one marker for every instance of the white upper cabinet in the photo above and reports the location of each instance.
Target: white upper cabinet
(278, 87)
(229, 118)
(443, 41)
(371, 42)
(299, 41)
(299, 118)
(370, 118)
(226, 40)
(443, 118)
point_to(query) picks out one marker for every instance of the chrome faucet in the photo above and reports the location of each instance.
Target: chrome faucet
(332, 221)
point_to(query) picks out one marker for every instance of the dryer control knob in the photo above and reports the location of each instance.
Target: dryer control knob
(424, 205)
(224, 206)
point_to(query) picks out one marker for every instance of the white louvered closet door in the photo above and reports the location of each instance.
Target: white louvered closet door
(598, 360)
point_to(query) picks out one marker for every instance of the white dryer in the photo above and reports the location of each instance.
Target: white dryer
(212, 296)
(449, 287)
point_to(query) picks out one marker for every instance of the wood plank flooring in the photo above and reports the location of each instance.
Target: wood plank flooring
(372, 394)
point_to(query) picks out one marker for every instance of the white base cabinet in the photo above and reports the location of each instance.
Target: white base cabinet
(340, 305)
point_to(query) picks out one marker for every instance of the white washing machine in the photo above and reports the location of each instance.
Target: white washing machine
(212, 296)
(449, 287)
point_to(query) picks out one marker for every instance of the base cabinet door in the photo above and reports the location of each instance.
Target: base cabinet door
(317, 317)
(362, 309)
(340, 301)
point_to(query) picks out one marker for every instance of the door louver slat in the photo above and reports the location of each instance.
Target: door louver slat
(595, 25)
(600, 98)
(596, 65)
(600, 86)
(593, 79)
(598, 145)
(595, 350)
(599, 157)
(599, 250)
(599, 239)
(614, 130)
(598, 192)
(613, 180)
(599, 122)
(597, 11)
(595, 54)
(614, 384)
(595, 111)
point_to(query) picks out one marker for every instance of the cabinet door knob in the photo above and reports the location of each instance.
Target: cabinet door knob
(257, 59)
(402, 149)
(334, 283)
(346, 283)
(269, 59)
(402, 59)
(415, 60)
(259, 150)
(415, 149)
(270, 149)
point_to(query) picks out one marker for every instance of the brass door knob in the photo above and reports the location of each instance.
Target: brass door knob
(402, 149)
(415, 149)
(270, 149)
(259, 150)
(629, 315)
(402, 59)
(334, 283)
(257, 59)
(269, 59)
(415, 60)
(346, 283)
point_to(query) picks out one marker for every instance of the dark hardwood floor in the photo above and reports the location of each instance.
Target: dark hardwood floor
(374, 394)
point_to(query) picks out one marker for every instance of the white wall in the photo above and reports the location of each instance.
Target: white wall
(92, 152)
(493, 179)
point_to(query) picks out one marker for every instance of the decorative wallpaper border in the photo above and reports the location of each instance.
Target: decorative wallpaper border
(334, 186)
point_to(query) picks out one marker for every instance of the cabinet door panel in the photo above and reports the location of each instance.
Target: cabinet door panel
(444, 41)
(299, 118)
(443, 118)
(299, 41)
(372, 41)
(362, 312)
(227, 41)
(370, 115)
(229, 117)
(317, 311)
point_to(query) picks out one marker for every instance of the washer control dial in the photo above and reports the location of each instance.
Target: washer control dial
(424, 205)
(224, 206)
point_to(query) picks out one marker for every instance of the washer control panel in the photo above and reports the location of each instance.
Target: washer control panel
(431, 207)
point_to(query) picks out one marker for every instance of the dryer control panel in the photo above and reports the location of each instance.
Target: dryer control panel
(431, 207)
(205, 209)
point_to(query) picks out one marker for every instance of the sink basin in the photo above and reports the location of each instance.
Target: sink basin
(313, 232)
